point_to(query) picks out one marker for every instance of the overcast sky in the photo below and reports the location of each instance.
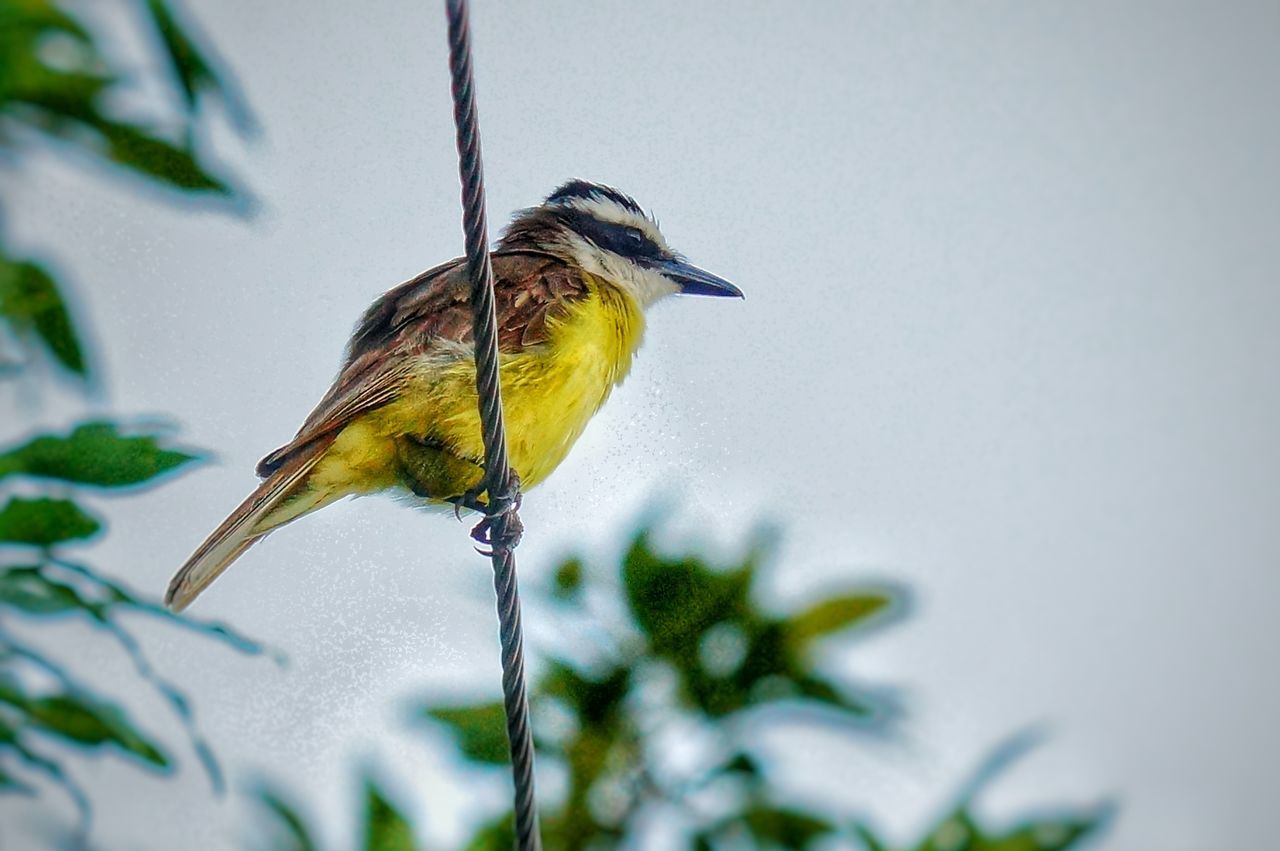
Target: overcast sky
(1010, 337)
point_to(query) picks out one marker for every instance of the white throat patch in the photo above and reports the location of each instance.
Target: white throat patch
(645, 285)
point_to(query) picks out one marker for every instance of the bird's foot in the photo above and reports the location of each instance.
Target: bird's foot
(501, 526)
(470, 501)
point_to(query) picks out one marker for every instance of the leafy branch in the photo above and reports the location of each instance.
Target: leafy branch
(58, 88)
(43, 705)
(57, 85)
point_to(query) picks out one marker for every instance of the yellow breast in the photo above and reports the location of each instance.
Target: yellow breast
(549, 394)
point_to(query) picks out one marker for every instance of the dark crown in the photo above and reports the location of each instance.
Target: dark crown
(593, 192)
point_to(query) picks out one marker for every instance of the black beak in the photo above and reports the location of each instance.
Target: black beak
(694, 281)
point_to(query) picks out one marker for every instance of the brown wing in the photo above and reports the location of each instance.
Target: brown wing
(420, 314)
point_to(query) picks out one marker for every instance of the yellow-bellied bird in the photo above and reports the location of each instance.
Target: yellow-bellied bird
(572, 277)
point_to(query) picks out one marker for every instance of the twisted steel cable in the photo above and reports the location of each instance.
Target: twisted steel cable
(502, 486)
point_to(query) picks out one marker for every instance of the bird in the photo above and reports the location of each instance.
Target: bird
(573, 277)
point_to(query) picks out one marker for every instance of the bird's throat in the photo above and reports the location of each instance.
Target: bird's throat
(551, 393)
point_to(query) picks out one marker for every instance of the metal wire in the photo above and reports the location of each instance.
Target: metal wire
(501, 485)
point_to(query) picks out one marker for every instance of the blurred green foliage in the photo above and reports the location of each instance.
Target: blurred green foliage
(670, 673)
(59, 80)
(960, 830)
(58, 85)
(695, 657)
(44, 707)
(383, 828)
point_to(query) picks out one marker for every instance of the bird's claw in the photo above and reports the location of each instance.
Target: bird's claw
(470, 501)
(501, 526)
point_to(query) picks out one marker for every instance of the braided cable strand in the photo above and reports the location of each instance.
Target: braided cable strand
(501, 485)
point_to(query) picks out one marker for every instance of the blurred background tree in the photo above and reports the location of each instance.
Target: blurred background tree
(650, 730)
(61, 90)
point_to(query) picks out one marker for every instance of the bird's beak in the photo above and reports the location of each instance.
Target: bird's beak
(694, 281)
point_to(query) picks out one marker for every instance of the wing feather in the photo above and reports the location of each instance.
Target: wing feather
(424, 314)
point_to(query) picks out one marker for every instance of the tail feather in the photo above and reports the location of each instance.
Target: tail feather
(283, 497)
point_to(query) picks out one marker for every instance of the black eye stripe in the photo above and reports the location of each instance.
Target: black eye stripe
(621, 239)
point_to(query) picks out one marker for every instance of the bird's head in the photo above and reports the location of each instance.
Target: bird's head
(605, 233)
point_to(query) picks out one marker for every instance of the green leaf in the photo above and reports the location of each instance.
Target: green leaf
(12, 785)
(28, 590)
(834, 614)
(93, 454)
(293, 832)
(567, 582)
(956, 832)
(136, 149)
(70, 114)
(189, 65)
(31, 303)
(92, 723)
(742, 763)
(59, 103)
(783, 827)
(868, 838)
(481, 731)
(79, 718)
(497, 835)
(822, 690)
(36, 16)
(674, 601)
(1047, 834)
(44, 522)
(960, 831)
(12, 742)
(596, 701)
(385, 828)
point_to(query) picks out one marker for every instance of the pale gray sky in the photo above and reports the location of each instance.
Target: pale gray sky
(1009, 336)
